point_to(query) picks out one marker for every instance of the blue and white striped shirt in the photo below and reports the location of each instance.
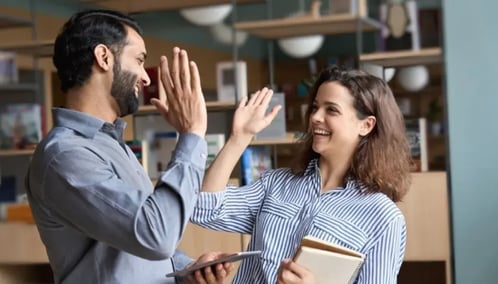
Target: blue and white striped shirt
(280, 208)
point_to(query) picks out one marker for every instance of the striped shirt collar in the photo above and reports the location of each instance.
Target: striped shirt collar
(351, 183)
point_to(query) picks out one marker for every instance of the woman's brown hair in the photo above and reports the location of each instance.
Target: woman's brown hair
(382, 159)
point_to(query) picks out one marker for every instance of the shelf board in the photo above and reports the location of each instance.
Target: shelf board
(14, 152)
(404, 57)
(38, 48)
(140, 6)
(211, 106)
(289, 139)
(7, 22)
(18, 87)
(299, 26)
(20, 243)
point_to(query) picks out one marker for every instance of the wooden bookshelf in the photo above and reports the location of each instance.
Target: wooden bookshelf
(404, 57)
(289, 139)
(211, 106)
(140, 6)
(37, 48)
(299, 26)
(5, 153)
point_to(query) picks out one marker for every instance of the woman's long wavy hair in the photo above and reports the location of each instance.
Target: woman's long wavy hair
(382, 159)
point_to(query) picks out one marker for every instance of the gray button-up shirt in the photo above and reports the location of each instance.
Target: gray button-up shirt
(98, 214)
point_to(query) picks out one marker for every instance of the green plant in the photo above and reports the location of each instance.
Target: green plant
(435, 111)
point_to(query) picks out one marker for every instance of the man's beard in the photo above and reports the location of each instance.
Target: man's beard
(123, 90)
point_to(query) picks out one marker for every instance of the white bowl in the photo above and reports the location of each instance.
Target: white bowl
(302, 46)
(208, 15)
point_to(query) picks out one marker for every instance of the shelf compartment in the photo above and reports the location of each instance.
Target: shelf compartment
(140, 6)
(211, 106)
(38, 48)
(299, 26)
(404, 57)
(7, 22)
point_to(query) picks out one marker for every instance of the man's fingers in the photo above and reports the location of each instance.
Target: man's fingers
(175, 72)
(196, 80)
(166, 75)
(185, 71)
(161, 106)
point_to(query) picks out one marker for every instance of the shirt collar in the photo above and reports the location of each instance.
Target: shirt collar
(84, 123)
(351, 183)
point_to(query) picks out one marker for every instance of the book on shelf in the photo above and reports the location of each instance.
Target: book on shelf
(254, 161)
(141, 149)
(155, 89)
(329, 263)
(416, 132)
(20, 126)
(214, 144)
(8, 191)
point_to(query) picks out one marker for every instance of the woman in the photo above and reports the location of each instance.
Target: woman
(353, 168)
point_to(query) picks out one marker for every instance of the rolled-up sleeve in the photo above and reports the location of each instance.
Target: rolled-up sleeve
(232, 210)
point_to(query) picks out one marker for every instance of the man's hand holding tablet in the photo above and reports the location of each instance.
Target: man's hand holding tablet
(211, 260)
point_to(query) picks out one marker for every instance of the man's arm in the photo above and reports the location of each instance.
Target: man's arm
(92, 198)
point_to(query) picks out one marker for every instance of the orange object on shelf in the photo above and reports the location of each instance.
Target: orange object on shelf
(19, 212)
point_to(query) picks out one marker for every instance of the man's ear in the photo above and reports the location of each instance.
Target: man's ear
(367, 125)
(103, 57)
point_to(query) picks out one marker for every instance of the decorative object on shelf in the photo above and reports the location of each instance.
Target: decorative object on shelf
(208, 15)
(8, 68)
(379, 71)
(231, 79)
(223, 34)
(20, 126)
(401, 28)
(354, 7)
(154, 89)
(303, 46)
(405, 105)
(413, 78)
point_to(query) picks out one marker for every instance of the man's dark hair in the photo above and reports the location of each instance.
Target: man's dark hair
(73, 49)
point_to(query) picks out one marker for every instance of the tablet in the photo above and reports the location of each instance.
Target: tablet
(229, 258)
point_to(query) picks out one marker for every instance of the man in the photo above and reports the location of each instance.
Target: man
(98, 214)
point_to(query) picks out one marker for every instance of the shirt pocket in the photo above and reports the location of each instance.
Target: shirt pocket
(279, 208)
(338, 231)
(276, 224)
